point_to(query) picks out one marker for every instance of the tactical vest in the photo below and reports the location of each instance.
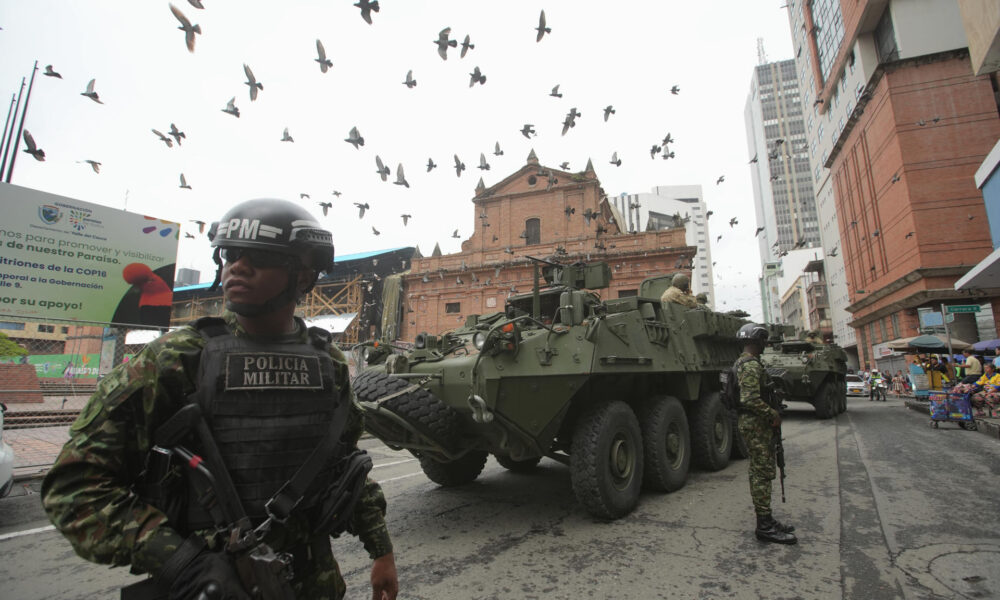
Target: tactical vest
(734, 377)
(268, 405)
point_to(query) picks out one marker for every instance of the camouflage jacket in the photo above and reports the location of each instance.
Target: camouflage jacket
(753, 380)
(679, 296)
(89, 494)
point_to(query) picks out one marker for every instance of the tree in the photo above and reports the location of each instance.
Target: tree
(9, 347)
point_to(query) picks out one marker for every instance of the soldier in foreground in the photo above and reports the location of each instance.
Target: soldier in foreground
(679, 293)
(259, 409)
(759, 422)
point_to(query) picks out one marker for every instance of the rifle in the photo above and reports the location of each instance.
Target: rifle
(779, 457)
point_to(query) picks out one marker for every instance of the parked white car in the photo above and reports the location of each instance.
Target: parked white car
(6, 460)
(856, 386)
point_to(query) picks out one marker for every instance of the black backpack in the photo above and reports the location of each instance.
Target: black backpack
(731, 383)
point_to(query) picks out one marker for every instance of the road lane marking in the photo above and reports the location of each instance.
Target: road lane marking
(398, 462)
(15, 534)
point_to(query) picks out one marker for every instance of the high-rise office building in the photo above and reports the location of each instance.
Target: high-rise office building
(897, 122)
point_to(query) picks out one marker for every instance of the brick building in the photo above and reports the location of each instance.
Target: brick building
(901, 164)
(540, 212)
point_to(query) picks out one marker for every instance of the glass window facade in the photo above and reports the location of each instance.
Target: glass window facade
(829, 32)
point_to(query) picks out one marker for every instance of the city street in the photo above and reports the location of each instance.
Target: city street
(884, 505)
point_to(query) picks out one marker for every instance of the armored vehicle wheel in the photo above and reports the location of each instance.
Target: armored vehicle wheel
(740, 449)
(826, 401)
(606, 459)
(711, 433)
(419, 407)
(456, 472)
(842, 397)
(518, 466)
(666, 444)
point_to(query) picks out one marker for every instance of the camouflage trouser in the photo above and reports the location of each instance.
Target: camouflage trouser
(759, 437)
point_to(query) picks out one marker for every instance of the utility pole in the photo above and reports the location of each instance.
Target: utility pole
(6, 150)
(24, 113)
(6, 126)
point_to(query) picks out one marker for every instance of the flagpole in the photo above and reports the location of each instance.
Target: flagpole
(6, 124)
(6, 150)
(24, 113)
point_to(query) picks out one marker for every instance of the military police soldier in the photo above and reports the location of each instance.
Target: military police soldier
(758, 422)
(679, 293)
(275, 396)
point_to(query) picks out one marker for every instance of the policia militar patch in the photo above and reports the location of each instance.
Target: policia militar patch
(272, 370)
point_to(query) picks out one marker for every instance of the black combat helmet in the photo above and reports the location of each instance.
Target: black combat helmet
(752, 333)
(277, 226)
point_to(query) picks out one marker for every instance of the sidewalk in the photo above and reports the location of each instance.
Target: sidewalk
(35, 449)
(986, 425)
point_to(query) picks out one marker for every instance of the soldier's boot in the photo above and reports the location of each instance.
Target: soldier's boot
(768, 531)
(783, 527)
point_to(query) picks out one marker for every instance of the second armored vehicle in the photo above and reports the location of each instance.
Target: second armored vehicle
(807, 372)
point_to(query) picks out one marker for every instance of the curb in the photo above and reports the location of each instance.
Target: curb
(987, 426)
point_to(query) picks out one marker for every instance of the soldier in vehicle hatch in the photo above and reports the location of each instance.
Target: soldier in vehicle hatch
(259, 409)
(759, 423)
(679, 293)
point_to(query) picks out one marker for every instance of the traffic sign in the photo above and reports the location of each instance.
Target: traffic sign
(963, 308)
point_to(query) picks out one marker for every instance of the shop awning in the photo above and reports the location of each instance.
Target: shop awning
(927, 342)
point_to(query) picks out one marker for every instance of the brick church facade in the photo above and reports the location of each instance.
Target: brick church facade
(540, 212)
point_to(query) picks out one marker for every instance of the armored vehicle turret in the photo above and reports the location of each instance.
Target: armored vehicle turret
(805, 371)
(625, 391)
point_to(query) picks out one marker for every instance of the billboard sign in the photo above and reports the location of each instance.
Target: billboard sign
(65, 259)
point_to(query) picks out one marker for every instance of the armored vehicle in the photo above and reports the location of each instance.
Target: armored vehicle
(625, 391)
(807, 372)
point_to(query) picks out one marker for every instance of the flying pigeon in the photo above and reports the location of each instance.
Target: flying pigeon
(615, 160)
(90, 93)
(410, 81)
(608, 111)
(355, 138)
(496, 150)
(476, 76)
(252, 82)
(188, 235)
(588, 215)
(231, 108)
(383, 171)
(720, 179)
(483, 165)
(336, 193)
(169, 142)
(753, 160)
(455, 234)
(176, 133)
(555, 93)
(719, 239)
(709, 214)
(400, 178)
(569, 210)
(668, 139)
(653, 151)
(184, 183)
(668, 155)
(564, 165)
(908, 235)
(361, 208)
(443, 43)
(570, 120)
(542, 29)
(324, 62)
(834, 251)
(675, 90)
(196, 4)
(304, 195)
(201, 225)
(376, 231)
(756, 233)
(326, 207)
(96, 166)
(430, 164)
(285, 137)
(466, 46)
(528, 130)
(367, 8)
(186, 27)
(459, 166)
(50, 73)
(733, 221)
(406, 218)
(895, 178)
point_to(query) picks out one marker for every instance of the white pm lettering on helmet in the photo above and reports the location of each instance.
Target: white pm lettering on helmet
(247, 229)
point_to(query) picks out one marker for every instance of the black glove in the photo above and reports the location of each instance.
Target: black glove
(210, 576)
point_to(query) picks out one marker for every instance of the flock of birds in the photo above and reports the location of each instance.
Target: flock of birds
(664, 148)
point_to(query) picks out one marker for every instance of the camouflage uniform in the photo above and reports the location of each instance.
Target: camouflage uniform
(679, 296)
(89, 494)
(755, 424)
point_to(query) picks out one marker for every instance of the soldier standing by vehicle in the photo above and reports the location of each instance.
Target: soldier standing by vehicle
(679, 293)
(269, 412)
(759, 424)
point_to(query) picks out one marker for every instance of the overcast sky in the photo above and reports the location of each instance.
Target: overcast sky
(600, 53)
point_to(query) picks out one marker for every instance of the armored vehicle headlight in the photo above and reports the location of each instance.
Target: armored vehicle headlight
(366, 352)
(479, 340)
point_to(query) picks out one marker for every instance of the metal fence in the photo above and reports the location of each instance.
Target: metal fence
(48, 370)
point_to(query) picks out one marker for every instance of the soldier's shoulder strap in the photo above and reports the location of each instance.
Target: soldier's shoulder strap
(210, 326)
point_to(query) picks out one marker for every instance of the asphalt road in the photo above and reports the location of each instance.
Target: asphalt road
(885, 507)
